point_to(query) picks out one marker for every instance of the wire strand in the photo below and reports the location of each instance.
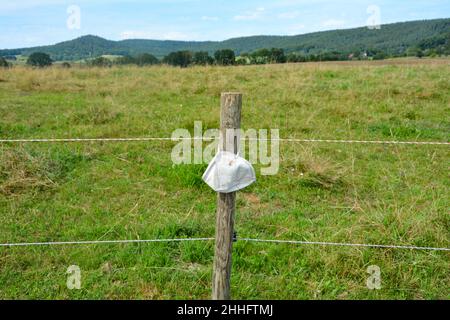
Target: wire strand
(60, 243)
(146, 139)
(363, 141)
(345, 244)
(28, 244)
(93, 140)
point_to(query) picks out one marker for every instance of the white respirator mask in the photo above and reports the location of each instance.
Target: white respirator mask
(228, 172)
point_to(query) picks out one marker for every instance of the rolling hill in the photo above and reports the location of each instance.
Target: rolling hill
(392, 38)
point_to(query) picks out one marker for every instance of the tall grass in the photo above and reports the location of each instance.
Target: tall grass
(323, 192)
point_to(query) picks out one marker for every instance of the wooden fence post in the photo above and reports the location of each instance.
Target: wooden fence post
(230, 121)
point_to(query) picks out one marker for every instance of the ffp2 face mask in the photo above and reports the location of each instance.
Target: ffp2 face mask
(229, 172)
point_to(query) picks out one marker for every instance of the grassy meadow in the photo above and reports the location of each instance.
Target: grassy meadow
(323, 192)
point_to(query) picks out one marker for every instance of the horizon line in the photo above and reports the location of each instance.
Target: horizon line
(218, 41)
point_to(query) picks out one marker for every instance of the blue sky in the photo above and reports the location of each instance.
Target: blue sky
(27, 23)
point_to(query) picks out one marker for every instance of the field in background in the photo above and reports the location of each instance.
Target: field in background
(323, 192)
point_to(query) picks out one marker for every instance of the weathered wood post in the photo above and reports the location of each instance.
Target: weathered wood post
(230, 122)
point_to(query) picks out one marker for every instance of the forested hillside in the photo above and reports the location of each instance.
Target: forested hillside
(393, 39)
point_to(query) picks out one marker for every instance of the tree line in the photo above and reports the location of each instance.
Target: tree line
(181, 59)
(227, 57)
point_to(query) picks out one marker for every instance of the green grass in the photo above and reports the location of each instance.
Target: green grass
(323, 192)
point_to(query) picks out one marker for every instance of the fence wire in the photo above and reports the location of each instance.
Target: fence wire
(148, 139)
(319, 243)
(61, 243)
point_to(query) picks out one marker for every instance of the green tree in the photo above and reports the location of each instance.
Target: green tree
(261, 56)
(380, 56)
(413, 52)
(125, 60)
(446, 49)
(39, 59)
(3, 63)
(242, 60)
(180, 59)
(419, 53)
(274, 55)
(277, 55)
(203, 58)
(313, 58)
(225, 57)
(432, 53)
(292, 57)
(295, 57)
(100, 62)
(146, 59)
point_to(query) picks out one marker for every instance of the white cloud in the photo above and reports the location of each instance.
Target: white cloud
(7, 6)
(296, 29)
(175, 35)
(333, 23)
(288, 15)
(171, 35)
(208, 18)
(255, 15)
(32, 40)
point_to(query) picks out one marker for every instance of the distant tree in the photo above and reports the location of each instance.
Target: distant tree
(292, 57)
(261, 56)
(332, 56)
(146, 59)
(302, 58)
(277, 55)
(446, 48)
(419, 54)
(432, 53)
(296, 57)
(243, 60)
(380, 56)
(39, 59)
(180, 59)
(225, 57)
(274, 55)
(3, 63)
(260, 59)
(66, 65)
(261, 53)
(125, 60)
(313, 58)
(202, 58)
(413, 52)
(100, 62)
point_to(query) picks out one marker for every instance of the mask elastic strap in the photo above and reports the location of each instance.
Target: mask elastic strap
(237, 155)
